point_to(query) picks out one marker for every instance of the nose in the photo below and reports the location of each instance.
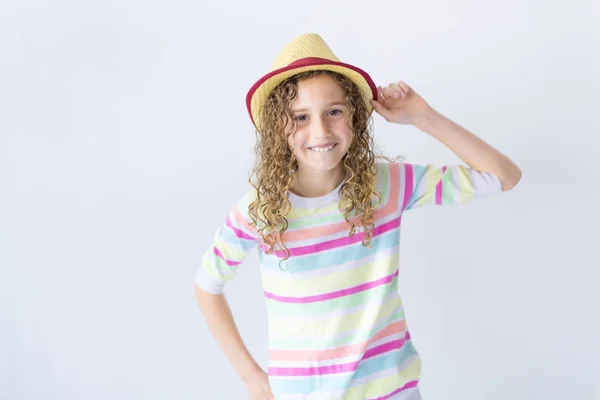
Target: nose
(320, 128)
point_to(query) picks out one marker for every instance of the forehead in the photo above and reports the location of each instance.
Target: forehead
(318, 90)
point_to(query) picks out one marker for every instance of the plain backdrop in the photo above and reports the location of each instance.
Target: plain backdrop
(124, 142)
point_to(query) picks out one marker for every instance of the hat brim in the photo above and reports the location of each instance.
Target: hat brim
(258, 93)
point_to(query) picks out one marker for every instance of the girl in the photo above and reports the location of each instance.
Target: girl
(325, 214)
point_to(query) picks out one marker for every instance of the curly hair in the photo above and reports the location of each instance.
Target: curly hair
(277, 164)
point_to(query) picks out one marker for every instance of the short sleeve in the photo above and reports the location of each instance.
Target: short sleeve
(231, 244)
(446, 185)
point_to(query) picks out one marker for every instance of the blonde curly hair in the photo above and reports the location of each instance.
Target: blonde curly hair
(276, 164)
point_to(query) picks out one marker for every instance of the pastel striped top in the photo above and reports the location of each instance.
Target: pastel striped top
(335, 319)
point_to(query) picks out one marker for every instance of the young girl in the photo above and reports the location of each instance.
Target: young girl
(325, 214)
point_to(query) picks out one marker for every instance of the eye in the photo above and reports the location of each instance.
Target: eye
(335, 112)
(300, 117)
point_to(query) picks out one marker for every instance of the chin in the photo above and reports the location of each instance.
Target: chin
(322, 166)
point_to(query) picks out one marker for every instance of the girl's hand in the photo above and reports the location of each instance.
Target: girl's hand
(399, 103)
(257, 385)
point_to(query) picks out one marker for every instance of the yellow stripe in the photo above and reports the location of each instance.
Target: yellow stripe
(465, 186)
(212, 270)
(229, 251)
(296, 212)
(298, 287)
(327, 327)
(432, 177)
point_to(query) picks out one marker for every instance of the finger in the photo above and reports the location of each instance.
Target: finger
(389, 93)
(381, 110)
(380, 96)
(404, 86)
(398, 91)
(395, 87)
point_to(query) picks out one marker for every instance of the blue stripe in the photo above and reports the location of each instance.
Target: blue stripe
(334, 382)
(337, 256)
(228, 236)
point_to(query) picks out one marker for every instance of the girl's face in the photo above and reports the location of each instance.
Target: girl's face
(323, 134)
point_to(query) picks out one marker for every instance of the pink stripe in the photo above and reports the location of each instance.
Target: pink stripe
(340, 352)
(390, 207)
(220, 255)
(334, 369)
(333, 244)
(383, 348)
(332, 295)
(237, 232)
(438, 189)
(408, 186)
(242, 221)
(408, 385)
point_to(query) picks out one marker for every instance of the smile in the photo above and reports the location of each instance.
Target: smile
(323, 149)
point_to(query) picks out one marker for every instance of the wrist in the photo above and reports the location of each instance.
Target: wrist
(250, 372)
(426, 120)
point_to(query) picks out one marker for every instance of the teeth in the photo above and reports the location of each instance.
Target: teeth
(322, 149)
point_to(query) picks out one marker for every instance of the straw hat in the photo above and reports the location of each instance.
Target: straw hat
(307, 52)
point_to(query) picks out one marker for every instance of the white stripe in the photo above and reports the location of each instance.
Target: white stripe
(486, 184)
(208, 283)
(352, 332)
(455, 190)
(284, 318)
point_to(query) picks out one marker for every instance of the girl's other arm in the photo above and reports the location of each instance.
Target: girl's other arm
(220, 321)
(232, 242)
(401, 104)
(470, 148)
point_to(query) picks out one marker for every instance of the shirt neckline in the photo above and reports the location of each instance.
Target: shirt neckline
(315, 202)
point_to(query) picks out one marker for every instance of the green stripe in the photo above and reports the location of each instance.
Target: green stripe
(352, 337)
(447, 187)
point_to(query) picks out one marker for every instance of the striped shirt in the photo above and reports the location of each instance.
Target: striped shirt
(335, 319)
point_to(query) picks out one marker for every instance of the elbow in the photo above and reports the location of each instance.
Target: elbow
(512, 180)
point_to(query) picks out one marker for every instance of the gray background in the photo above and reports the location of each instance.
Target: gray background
(124, 141)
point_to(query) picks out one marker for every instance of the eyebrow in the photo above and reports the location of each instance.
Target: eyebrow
(335, 103)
